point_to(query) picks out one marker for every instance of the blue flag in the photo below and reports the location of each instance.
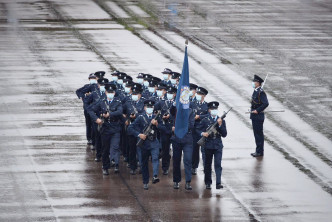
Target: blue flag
(182, 101)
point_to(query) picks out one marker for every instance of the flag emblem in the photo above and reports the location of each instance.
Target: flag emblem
(184, 97)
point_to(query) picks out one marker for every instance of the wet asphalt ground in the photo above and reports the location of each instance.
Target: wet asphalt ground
(48, 48)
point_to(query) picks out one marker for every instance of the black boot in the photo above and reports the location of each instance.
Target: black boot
(188, 186)
(257, 154)
(155, 179)
(116, 169)
(112, 163)
(219, 186)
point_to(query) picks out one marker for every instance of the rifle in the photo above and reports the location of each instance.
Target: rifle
(102, 118)
(148, 131)
(264, 81)
(269, 111)
(129, 119)
(212, 129)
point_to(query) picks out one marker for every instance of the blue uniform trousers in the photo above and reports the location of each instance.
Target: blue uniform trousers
(187, 149)
(165, 147)
(132, 140)
(97, 141)
(257, 126)
(217, 154)
(150, 147)
(88, 125)
(111, 148)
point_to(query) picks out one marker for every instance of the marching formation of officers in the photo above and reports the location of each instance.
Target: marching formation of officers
(118, 111)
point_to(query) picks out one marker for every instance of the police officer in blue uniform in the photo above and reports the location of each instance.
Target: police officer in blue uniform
(151, 144)
(192, 94)
(127, 82)
(96, 97)
(175, 79)
(161, 92)
(213, 146)
(89, 88)
(259, 102)
(121, 76)
(167, 73)
(200, 109)
(111, 113)
(81, 95)
(131, 109)
(152, 90)
(140, 78)
(184, 145)
(165, 127)
(100, 74)
(114, 77)
(146, 80)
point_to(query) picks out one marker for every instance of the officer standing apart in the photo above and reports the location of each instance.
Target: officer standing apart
(259, 103)
(111, 111)
(213, 145)
(151, 143)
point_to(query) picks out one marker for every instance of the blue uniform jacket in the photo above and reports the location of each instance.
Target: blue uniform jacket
(188, 138)
(86, 89)
(200, 109)
(166, 124)
(114, 122)
(259, 102)
(213, 141)
(130, 106)
(146, 94)
(95, 97)
(167, 82)
(140, 123)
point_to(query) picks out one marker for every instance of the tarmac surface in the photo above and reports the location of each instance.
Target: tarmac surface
(48, 48)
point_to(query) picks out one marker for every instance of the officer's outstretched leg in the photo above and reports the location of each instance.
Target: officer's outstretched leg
(187, 161)
(155, 160)
(207, 168)
(132, 154)
(106, 141)
(177, 156)
(139, 156)
(145, 166)
(166, 144)
(115, 150)
(195, 156)
(98, 143)
(88, 125)
(203, 155)
(217, 165)
(93, 134)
